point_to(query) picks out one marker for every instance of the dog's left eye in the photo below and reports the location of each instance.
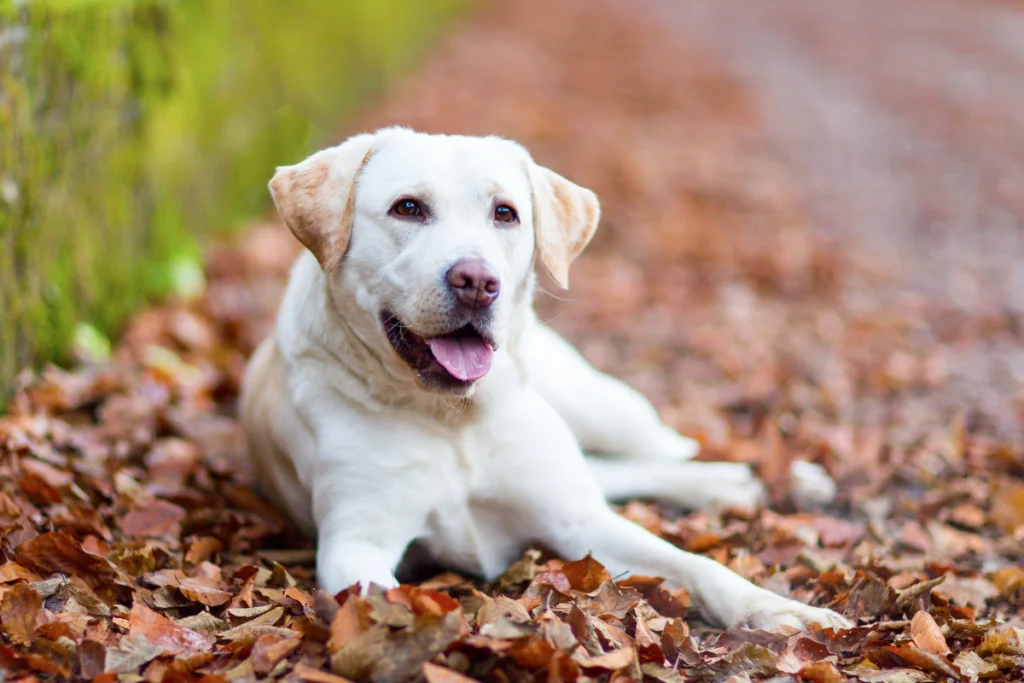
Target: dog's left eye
(407, 208)
(505, 214)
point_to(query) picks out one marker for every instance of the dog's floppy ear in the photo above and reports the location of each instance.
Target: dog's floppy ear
(316, 197)
(565, 217)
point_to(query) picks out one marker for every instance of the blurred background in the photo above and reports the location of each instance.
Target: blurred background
(812, 209)
(132, 132)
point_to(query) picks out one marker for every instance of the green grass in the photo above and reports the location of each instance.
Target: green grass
(131, 131)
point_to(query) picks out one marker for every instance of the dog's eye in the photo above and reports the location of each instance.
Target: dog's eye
(505, 214)
(407, 208)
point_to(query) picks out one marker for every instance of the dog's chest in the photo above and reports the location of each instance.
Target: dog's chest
(461, 529)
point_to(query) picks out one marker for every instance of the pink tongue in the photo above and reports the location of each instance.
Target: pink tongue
(466, 358)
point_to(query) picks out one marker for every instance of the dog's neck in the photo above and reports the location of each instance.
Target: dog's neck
(319, 321)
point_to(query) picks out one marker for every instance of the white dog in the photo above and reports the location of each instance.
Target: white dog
(409, 392)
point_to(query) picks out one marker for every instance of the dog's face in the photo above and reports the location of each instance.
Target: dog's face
(433, 238)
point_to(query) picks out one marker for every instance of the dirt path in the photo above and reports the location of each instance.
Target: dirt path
(801, 206)
(904, 131)
(905, 126)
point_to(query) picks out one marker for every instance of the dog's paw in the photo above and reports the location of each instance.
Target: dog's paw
(731, 484)
(811, 485)
(774, 610)
(668, 444)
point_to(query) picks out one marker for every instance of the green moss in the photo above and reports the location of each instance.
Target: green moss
(131, 131)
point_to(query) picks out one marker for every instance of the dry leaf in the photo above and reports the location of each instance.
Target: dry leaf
(927, 635)
(585, 575)
(19, 611)
(268, 650)
(439, 674)
(163, 633)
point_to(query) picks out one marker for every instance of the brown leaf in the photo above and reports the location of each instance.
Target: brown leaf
(203, 549)
(821, 672)
(350, 621)
(163, 633)
(205, 591)
(57, 552)
(555, 579)
(1008, 505)
(1006, 641)
(913, 657)
(648, 648)
(532, 653)
(427, 601)
(251, 630)
(927, 635)
(268, 650)
(441, 674)
(299, 596)
(308, 673)
(386, 657)
(1008, 581)
(156, 519)
(131, 654)
(610, 661)
(19, 611)
(586, 575)
(873, 675)
(51, 475)
(92, 657)
(12, 571)
(971, 665)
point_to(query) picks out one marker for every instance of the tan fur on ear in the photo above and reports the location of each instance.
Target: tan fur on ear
(316, 197)
(565, 217)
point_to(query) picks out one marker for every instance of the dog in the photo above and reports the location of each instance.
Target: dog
(409, 392)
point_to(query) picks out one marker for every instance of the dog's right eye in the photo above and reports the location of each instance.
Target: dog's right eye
(407, 208)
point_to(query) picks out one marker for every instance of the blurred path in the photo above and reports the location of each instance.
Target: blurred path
(905, 120)
(903, 124)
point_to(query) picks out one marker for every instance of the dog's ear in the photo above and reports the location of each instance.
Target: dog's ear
(316, 197)
(565, 217)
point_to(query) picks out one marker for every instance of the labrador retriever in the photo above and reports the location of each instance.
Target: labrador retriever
(410, 393)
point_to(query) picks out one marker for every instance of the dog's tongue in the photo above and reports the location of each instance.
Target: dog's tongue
(466, 358)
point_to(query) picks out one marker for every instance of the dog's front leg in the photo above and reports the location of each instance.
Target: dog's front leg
(369, 505)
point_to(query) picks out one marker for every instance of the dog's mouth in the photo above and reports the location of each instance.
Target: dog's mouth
(454, 359)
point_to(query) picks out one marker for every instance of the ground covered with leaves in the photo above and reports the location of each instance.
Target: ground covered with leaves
(135, 548)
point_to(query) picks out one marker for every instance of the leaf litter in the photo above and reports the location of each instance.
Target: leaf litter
(133, 546)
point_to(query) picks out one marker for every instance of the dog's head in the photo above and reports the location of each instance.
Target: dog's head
(433, 238)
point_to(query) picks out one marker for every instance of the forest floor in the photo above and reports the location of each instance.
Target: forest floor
(809, 250)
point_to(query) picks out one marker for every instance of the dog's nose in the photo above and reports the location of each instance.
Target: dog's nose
(474, 283)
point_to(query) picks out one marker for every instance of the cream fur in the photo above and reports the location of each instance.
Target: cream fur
(355, 449)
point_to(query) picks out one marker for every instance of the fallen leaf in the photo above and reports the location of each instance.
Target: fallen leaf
(821, 672)
(163, 633)
(350, 621)
(1005, 641)
(132, 653)
(974, 667)
(609, 661)
(585, 575)
(92, 658)
(268, 650)
(56, 552)
(19, 611)
(205, 591)
(927, 635)
(308, 673)
(1007, 511)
